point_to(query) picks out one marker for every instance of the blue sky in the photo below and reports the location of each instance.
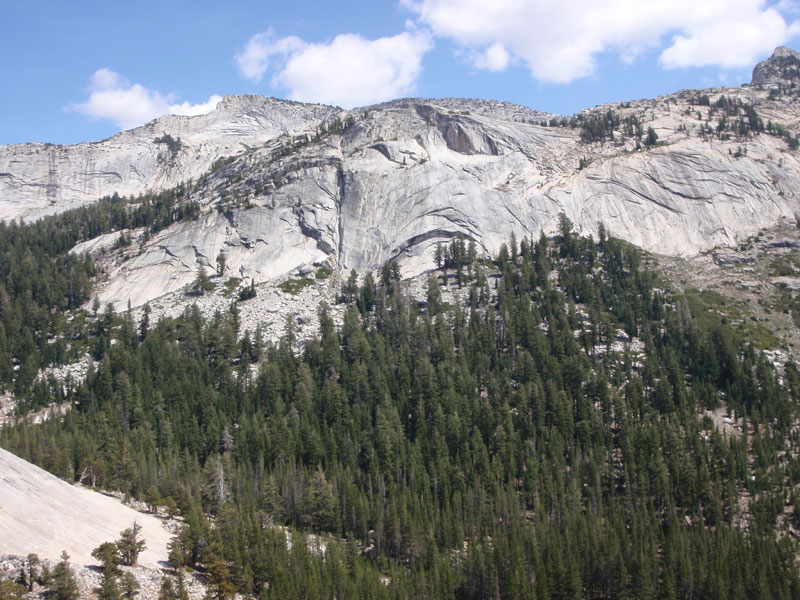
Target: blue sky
(81, 71)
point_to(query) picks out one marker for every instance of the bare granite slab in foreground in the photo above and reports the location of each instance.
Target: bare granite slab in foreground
(42, 514)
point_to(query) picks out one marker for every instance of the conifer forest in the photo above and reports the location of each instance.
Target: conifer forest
(548, 438)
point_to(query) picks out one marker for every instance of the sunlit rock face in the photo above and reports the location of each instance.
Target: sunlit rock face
(782, 68)
(40, 179)
(309, 184)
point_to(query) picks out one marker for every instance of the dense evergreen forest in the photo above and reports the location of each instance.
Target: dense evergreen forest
(547, 439)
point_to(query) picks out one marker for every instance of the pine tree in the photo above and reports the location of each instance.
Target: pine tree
(170, 506)
(30, 571)
(108, 555)
(153, 498)
(130, 587)
(366, 294)
(144, 324)
(64, 585)
(202, 282)
(179, 547)
(438, 257)
(180, 582)
(11, 591)
(221, 260)
(167, 589)
(130, 545)
(321, 504)
(220, 586)
(434, 296)
(350, 287)
(652, 137)
(248, 292)
(216, 490)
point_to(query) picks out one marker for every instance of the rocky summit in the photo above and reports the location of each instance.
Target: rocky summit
(284, 187)
(781, 69)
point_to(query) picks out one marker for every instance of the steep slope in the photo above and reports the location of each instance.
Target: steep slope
(42, 514)
(780, 69)
(39, 179)
(411, 174)
(676, 175)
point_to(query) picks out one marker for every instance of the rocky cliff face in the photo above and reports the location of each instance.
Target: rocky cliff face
(312, 184)
(40, 179)
(781, 69)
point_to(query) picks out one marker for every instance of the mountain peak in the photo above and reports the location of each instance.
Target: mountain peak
(782, 68)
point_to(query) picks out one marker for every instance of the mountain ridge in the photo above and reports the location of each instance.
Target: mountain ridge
(305, 185)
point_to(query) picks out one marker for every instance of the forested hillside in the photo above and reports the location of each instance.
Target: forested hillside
(549, 438)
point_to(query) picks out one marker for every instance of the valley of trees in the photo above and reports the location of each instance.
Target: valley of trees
(546, 440)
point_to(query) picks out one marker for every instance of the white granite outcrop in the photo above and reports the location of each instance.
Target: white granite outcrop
(390, 181)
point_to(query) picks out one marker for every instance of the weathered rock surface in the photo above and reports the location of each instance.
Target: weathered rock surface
(391, 181)
(42, 514)
(410, 175)
(88, 579)
(40, 179)
(782, 68)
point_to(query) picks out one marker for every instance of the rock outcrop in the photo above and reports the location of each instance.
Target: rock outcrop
(780, 69)
(40, 179)
(413, 174)
(42, 514)
(308, 185)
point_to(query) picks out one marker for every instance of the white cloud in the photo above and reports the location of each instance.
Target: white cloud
(253, 61)
(127, 105)
(730, 41)
(346, 71)
(559, 40)
(494, 58)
